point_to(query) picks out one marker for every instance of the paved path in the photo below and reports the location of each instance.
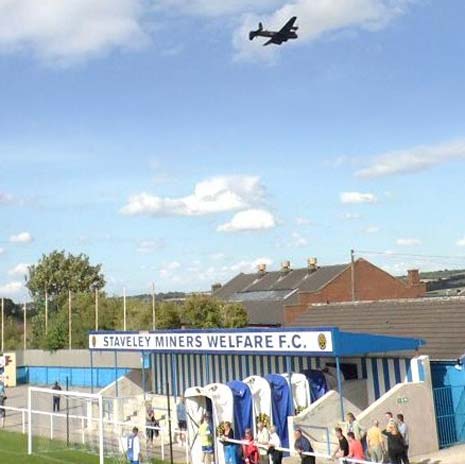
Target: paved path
(453, 455)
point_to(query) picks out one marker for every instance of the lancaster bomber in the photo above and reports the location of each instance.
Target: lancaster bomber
(276, 37)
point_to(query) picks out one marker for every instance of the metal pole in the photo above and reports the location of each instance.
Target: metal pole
(339, 386)
(25, 327)
(153, 306)
(67, 413)
(96, 309)
(3, 324)
(124, 308)
(143, 372)
(352, 273)
(70, 326)
(289, 373)
(91, 354)
(46, 313)
(169, 412)
(116, 373)
(29, 421)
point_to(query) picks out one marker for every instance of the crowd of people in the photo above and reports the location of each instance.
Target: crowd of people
(376, 444)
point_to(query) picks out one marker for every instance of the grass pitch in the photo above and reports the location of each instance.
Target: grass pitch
(13, 450)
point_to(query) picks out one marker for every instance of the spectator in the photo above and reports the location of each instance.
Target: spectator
(182, 419)
(343, 449)
(133, 447)
(395, 443)
(302, 445)
(354, 427)
(249, 449)
(230, 455)
(403, 429)
(56, 398)
(2, 403)
(150, 424)
(389, 417)
(275, 442)
(262, 438)
(206, 439)
(355, 447)
(375, 443)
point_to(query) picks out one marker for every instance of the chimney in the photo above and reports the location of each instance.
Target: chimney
(261, 268)
(285, 266)
(312, 265)
(215, 287)
(413, 277)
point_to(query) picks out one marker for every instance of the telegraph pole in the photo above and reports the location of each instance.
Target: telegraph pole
(153, 306)
(46, 312)
(69, 320)
(124, 308)
(96, 309)
(25, 327)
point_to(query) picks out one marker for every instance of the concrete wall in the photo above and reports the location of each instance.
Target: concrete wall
(76, 358)
(415, 402)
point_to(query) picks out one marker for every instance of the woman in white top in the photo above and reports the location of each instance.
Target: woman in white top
(262, 438)
(276, 456)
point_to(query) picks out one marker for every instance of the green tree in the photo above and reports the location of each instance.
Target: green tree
(59, 272)
(202, 311)
(168, 315)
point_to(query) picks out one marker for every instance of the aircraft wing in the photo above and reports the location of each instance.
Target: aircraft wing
(273, 40)
(287, 27)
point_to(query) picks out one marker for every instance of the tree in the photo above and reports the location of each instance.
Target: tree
(58, 272)
(202, 311)
(168, 315)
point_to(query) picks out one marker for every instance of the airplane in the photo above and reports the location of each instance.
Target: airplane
(276, 37)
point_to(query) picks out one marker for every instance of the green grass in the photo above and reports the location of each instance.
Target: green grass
(13, 450)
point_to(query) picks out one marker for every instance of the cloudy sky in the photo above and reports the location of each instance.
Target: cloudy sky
(153, 136)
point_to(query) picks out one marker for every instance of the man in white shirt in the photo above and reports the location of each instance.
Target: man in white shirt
(263, 438)
(133, 447)
(403, 429)
(275, 442)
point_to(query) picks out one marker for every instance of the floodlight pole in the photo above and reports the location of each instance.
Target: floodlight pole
(46, 312)
(3, 324)
(153, 306)
(339, 386)
(25, 327)
(96, 309)
(124, 309)
(70, 326)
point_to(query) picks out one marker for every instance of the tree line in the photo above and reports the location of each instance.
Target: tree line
(58, 276)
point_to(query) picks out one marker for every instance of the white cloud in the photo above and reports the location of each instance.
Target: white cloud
(248, 220)
(357, 197)
(149, 246)
(11, 288)
(372, 230)
(2, 250)
(249, 266)
(316, 18)
(408, 241)
(20, 269)
(22, 237)
(413, 159)
(67, 31)
(302, 221)
(461, 242)
(214, 195)
(168, 271)
(351, 216)
(298, 240)
(6, 198)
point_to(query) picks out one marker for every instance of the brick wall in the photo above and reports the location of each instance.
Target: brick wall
(371, 283)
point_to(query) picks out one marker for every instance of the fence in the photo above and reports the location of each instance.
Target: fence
(450, 414)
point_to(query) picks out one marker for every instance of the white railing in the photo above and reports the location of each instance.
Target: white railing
(163, 431)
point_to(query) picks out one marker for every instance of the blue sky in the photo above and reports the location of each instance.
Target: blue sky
(156, 138)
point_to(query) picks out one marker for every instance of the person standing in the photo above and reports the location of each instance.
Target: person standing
(302, 445)
(150, 424)
(230, 455)
(403, 429)
(375, 443)
(133, 447)
(56, 398)
(343, 449)
(275, 454)
(263, 438)
(395, 443)
(354, 427)
(249, 449)
(206, 439)
(2, 403)
(182, 419)
(355, 447)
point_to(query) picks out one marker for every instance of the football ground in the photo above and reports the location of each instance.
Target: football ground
(13, 450)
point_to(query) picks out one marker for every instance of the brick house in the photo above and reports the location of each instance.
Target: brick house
(278, 297)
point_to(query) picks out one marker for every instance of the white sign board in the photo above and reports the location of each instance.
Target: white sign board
(298, 341)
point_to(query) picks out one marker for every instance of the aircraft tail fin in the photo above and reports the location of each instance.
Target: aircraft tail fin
(260, 27)
(253, 34)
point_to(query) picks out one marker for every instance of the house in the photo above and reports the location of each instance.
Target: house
(275, 298)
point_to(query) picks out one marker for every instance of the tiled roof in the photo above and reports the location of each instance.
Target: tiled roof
(438, 321)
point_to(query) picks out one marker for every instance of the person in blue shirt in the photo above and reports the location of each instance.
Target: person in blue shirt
(182, 419)
(133, 447)
(302, 445)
